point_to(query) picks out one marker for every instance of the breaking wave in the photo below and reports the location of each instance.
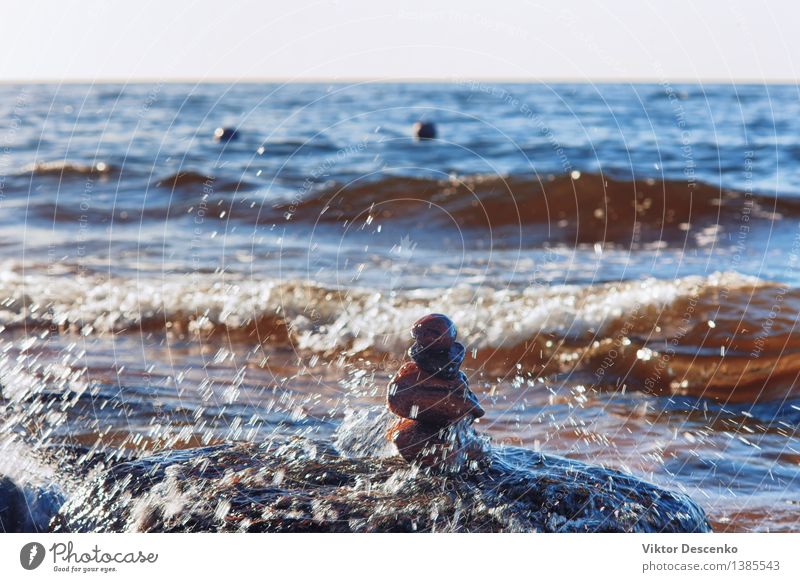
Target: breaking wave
(66, 169)
(723, 334)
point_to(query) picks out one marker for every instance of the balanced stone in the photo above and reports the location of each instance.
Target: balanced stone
(443, 363)
(424, 443)
(417, 395)
(299, 485)
(434, 331)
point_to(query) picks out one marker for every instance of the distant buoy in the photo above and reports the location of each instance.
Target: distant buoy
(424, 130)
(225, 134)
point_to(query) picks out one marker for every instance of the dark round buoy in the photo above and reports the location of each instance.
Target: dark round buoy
(424, 130)
(225, 134)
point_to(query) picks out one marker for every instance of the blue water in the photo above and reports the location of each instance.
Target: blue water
(298, 139)
(622, 130)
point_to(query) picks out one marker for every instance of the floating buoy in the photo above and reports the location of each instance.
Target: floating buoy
(424, 130)
(225, 134)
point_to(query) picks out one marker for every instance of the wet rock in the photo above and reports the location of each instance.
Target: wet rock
(418, 395)
(434, 331)
(26, 507)
(306, 486)
(424, 130)
(443, 363)
(447, 449)
(13, 512)
(425, 443)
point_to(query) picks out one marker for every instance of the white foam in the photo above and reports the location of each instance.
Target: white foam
(326, 320)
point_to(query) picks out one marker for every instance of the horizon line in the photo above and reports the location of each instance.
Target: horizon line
(442, 80)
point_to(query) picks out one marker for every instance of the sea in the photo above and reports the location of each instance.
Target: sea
(622, 262)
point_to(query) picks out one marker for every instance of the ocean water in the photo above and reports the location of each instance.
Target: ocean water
(621, 260)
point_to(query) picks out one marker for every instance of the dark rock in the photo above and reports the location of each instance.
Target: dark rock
(304, 485)
(419, 395)
(225, 134)
(13, 509)
(424, 130)
(434, 331)
(443, 363)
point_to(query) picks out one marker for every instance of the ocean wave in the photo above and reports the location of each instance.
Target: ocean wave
(324, 318)
(199, 182)
(518, 211)
(582, 208)
(68, 169)
(716, 334)
(354, 318)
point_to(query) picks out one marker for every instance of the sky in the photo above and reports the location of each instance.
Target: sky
(699, 40)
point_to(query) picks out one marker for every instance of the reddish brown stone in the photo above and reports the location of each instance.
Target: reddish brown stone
(419, 395)
(422, 443)
(435, 331)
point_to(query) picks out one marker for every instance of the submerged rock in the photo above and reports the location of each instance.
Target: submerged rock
(302, 485)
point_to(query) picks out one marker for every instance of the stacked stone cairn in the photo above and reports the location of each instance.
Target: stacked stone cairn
(432, 396)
